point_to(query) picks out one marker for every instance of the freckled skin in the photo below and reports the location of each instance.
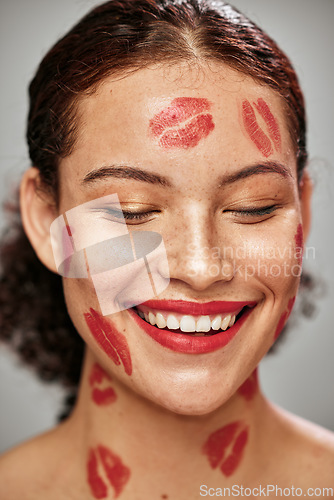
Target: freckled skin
(226, 447)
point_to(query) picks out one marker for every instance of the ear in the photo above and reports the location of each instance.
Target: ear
(38, 210)
(305, 193)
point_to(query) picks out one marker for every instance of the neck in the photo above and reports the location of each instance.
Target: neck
(123, 436)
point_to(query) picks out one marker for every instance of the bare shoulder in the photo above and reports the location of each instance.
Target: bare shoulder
(309, 448)
(28, 470)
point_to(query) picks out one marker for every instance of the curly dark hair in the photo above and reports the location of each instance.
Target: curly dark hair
(117, 37)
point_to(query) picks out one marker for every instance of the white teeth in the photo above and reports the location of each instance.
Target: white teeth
(151, 318)
(203, 324)
(187, 324)
(161, 322)
(225, 322)
(231, 323)
(172, 322)
(216, 322)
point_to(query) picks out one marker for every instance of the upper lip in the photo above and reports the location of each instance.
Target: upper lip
(197, 308)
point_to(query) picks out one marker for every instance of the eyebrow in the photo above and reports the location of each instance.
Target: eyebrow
(126, 172)
(267, 167)
(135, 173)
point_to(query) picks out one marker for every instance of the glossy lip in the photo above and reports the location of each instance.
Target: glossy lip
(196, 308)
(188, 344)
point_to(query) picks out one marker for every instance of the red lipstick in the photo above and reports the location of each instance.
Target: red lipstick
(182, 124)
(188, 344)
(196, 308)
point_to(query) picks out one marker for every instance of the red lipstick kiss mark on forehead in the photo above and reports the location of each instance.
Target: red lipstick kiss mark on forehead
(182, 124)
(116, 472)
(226, 447)
(284, 318)
(101, 396)
(250, 387)
(255, 132)
(112, 341)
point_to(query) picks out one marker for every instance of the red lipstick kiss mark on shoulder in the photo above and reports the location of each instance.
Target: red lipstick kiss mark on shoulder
(183, 123)
(116, 472)
(255, 132)
(250, 387)
(101, 396)
(112, 341)
(284, 317)
(226, 447)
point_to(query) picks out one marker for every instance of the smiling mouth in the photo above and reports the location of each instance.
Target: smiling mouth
(190, 325)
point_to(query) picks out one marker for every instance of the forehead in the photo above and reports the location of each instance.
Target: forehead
(114, 122)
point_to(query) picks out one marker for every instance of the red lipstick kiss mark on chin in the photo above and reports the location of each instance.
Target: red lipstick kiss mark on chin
(112, 341)
(250, 387)
(116, 472)
(106, 395)
(192, 114)
(284, 318)
(226, 447)
(255, 132)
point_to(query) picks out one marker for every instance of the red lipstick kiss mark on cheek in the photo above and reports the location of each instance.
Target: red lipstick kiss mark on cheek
(190, 112)
(284, 318)
(250, 387)
(104, 396)
(226, 447)
(112, 341)
(255, 132)
(116, 472)
(299, 240)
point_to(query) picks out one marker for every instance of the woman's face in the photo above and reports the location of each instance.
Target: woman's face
(220, 187)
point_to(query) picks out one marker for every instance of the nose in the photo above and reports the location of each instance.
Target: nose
(196, 253)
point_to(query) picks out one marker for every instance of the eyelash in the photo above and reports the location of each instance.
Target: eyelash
(256, 212)
(140, 216)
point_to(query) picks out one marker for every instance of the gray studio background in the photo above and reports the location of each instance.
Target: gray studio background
(300, 376)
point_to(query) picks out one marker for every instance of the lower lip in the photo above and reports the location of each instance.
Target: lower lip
(188, 344)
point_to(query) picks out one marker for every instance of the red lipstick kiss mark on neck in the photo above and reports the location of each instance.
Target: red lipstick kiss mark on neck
(182, 124)
(226, 446)
(284, 318)
(116, 472)
(112, 341)
(250, 387)
(255, 132)
(299, 240)
(106, 395)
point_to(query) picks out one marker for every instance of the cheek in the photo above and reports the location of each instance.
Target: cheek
(105, 472)
(225, 447)
(110, 340)
(266, 255)
(284, 317)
